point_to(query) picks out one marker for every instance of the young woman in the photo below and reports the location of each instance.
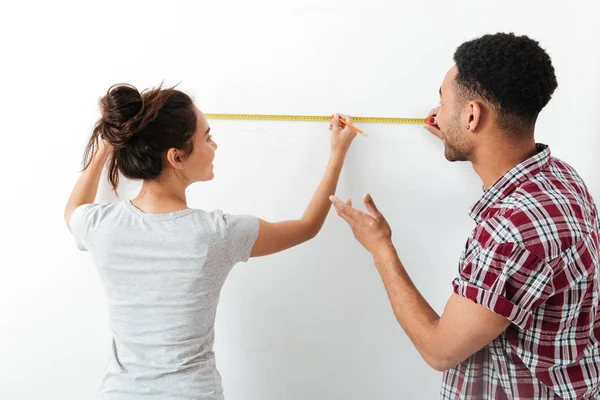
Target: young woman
(162, 264)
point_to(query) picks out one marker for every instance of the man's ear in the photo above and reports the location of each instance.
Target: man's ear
(474, 115)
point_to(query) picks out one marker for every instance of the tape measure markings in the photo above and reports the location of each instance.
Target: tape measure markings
(313, 118)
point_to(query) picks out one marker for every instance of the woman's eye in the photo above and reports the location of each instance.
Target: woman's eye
(210, 138)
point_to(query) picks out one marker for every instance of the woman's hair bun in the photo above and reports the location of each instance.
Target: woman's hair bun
(141, 127)
(119, 108)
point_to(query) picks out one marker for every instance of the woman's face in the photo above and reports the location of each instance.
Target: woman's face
(198, 165)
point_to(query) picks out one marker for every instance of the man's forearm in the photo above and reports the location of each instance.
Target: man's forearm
(412, 311)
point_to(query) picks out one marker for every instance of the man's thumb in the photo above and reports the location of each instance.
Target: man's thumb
(370, 205)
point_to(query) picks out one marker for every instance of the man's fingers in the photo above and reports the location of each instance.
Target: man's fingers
(434, 130)
(346, 218)
(345, 208)
(340, 208)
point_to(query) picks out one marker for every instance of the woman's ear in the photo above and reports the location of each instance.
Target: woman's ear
(174, 157)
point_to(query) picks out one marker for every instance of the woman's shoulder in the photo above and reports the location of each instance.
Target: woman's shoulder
(223, 221)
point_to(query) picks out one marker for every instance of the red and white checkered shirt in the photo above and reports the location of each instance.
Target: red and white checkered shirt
(534, 257)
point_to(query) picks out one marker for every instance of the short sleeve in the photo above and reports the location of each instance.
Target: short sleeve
(79, 225)
(240, 233)
(506, 279)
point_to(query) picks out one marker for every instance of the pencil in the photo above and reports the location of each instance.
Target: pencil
(352, 126)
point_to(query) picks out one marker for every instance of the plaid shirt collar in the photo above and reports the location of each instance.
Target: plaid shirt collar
(510, 181)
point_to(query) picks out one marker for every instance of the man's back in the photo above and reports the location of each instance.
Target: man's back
(534, 258)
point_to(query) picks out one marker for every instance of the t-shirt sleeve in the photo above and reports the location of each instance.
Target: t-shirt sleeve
(239, 235)
(79, 225)
(508, 280)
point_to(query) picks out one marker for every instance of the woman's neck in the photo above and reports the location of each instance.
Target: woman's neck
(160, 197)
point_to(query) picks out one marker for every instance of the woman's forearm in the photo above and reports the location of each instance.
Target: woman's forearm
(318, 208)
(86, 187)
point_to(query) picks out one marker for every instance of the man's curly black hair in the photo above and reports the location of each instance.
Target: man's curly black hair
(512, 73)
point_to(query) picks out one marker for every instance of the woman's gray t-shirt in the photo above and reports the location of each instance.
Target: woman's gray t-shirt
(162, 274)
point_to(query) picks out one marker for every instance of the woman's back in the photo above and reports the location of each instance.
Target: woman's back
(162, 274)
(163, 269)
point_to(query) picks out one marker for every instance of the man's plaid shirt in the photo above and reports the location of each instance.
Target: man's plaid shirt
(533, 257)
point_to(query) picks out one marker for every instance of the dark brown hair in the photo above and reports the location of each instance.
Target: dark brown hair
(141, 127)
(512, 73)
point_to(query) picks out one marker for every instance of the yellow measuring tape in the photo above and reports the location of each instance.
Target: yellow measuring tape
(313, 118)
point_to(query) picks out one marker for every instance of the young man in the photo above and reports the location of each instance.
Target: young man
(524, 319)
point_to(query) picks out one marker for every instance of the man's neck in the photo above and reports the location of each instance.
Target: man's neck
(493, 161)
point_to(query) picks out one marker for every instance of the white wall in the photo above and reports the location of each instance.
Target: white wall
(311, 323)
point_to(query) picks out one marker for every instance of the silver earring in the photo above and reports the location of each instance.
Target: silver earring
(468, 127)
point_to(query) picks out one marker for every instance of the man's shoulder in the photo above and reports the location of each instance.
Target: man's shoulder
(547, 213)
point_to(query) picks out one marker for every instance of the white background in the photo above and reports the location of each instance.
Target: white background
(313, 322)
